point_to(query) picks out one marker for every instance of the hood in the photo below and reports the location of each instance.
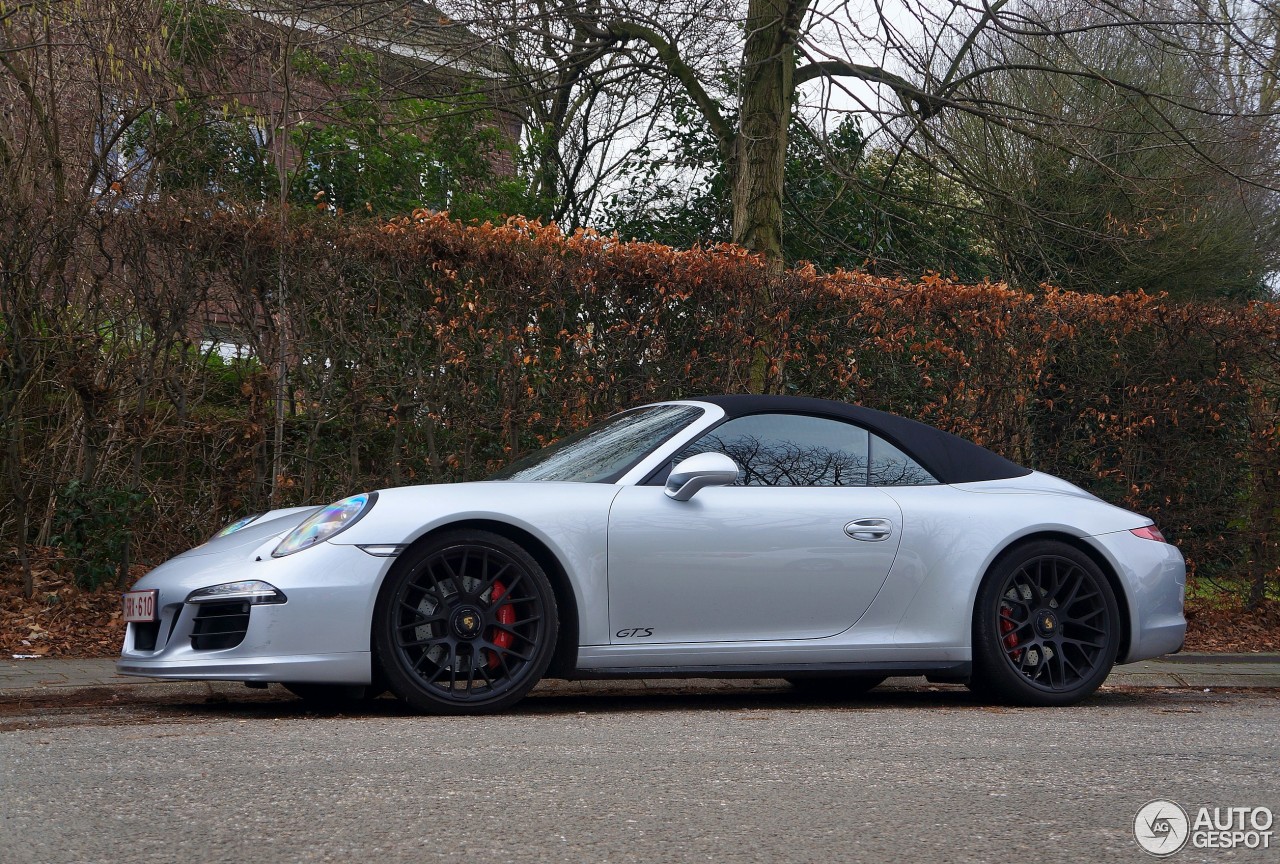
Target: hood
(276, 523)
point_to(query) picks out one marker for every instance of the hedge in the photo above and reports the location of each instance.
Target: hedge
(422, 350)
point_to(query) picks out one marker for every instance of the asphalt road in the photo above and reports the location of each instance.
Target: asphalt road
(623, 774)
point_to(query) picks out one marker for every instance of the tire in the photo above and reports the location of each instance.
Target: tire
(1046, 627)
(334, 696)
(465, 624)
(838, 686)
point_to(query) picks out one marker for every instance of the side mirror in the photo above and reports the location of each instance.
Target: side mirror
(704, 469)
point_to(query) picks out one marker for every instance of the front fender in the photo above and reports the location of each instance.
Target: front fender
(570, 519)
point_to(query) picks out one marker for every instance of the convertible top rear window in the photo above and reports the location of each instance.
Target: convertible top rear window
(947, 458)
(803, 450)
(604, 452)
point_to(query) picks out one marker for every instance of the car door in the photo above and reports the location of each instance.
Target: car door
(798, 551)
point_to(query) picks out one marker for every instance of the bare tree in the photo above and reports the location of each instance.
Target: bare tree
(1128, 158)
(588, 105)
(902, 68)
(104, 104)
(74, 78)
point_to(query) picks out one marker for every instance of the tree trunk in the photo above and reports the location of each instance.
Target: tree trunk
(760, 148)
(760, 154)
(546, 176)
(1264, 457)
(18, 501)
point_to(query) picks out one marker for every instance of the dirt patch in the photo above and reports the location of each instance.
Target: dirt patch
(107, 706)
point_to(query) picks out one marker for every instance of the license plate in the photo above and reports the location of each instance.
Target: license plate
(140, 606)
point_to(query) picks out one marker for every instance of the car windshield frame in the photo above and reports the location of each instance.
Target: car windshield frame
(583, 457)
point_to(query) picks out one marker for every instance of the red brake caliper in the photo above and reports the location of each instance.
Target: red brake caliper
(1007, 627)
(506, 615)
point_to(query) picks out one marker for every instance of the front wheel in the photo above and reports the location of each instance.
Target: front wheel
(465, 624)
(1046, 627)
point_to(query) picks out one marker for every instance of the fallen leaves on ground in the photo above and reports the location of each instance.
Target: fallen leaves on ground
(60, 619)
(1229, 627)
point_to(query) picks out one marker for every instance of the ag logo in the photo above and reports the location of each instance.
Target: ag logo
(1161, 828)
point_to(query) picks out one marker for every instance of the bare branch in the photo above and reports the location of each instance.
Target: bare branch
(914, 99)
(681, 71)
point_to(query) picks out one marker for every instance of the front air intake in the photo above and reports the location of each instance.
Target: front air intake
(219, 626)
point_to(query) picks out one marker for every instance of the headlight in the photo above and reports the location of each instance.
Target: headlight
(251, 590)
(333, 519)
(237, 525)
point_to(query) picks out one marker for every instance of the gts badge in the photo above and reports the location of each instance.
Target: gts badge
(634, 633)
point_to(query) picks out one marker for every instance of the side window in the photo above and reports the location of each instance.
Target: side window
(789, 450)
(889, 466)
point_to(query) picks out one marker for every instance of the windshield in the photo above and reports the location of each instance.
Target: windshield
(604, 452)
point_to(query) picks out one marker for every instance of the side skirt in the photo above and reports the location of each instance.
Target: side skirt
(939, 671)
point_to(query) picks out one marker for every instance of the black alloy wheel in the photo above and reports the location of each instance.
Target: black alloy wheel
(465, 624)
(1046, 626)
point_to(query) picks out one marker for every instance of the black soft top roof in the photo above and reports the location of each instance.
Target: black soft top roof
(947, 457)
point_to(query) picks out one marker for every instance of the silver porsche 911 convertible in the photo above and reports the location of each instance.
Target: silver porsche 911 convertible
(733, 536)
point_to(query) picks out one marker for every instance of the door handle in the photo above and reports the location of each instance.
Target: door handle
(871, 529)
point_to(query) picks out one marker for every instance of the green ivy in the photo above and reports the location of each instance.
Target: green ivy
(92, 528)
(197, 30)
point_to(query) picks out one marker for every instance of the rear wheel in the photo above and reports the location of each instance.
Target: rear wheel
(466, 624)
(1046, 627)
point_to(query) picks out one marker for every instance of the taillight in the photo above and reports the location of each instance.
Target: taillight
(1150, 532)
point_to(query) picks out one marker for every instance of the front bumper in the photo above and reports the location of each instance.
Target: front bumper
(352, 668)
(321, 633)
